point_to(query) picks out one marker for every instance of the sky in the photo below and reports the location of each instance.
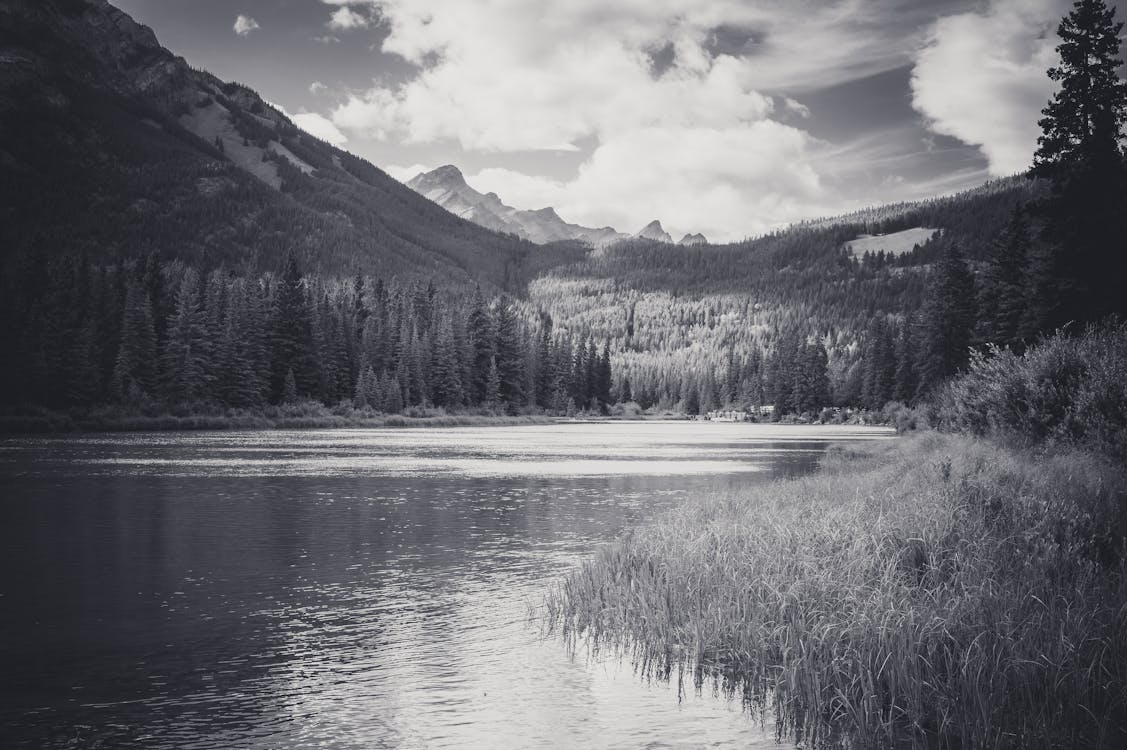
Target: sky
(727, 117)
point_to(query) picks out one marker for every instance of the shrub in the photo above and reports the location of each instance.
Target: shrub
(1066, 390)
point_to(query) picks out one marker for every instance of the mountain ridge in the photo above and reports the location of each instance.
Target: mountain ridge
(141, 153)
(447, 186)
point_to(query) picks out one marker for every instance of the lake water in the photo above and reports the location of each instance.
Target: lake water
(346, 588)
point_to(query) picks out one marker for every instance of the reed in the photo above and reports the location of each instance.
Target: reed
(939, 592)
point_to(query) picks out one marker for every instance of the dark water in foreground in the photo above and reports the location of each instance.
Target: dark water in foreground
(343, 589)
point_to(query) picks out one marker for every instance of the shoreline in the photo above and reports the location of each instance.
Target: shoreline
(853, 602)
(62, 424)
(316, 416)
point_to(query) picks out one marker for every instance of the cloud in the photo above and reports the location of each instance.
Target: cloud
(404, 174)
(344, 18)
(319, 126)
(244, 25)
(683, 110)
(316, 125)
(726, 182)
(317, 88)
(981, 77)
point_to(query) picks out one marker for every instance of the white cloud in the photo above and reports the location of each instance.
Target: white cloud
(981, 78)
(345, 18)
(726, 182)
(244, 25)
(796, 107)
(695, 140)
(317, 88)
(316, 125)
(319, 126)
(404, 174)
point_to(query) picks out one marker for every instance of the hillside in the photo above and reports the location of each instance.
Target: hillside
(111, 145)
(678, 314)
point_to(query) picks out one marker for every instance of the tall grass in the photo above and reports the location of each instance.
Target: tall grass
(940, 592)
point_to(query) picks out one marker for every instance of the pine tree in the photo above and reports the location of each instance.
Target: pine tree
(186, 360)
(509, 355)
(1080, 152)
(134, 373)
(948, 318)
(811, 390)
(479, 331)
(289, 388)
(1004, 294)
(291, 345)
(445, 370)
(603, 378)
(878, 365)
(906, 382)
(493, 385)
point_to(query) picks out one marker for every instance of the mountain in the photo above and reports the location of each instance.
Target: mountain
(447, 187)
(693, 239)
(112, 146)
(653, 231)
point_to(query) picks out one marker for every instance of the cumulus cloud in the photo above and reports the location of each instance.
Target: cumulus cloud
(683, 110)
(244, 25)
(319, 126)
(405, 173)
(981, 77)
(316, 125)
(726, 182)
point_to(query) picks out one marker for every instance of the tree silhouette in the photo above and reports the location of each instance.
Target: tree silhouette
(1080, 152)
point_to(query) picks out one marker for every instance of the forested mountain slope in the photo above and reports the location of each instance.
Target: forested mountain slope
(713, 312)
(110, 145)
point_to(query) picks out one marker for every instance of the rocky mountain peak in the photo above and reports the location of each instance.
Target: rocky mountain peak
(654, 231)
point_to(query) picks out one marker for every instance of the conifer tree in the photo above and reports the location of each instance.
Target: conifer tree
(904, 388)
(291, 345)
(948, 318)
(509, 355)
(493, 385)
(1004, 292)
(479, 332)
(1080, 152)
(289, 388)
(186, 361)
(134, 373)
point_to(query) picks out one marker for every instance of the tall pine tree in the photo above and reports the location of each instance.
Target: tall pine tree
(1080, 152)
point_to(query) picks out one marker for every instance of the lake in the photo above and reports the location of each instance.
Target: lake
(345, 588)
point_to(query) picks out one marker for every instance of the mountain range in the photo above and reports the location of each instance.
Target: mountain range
(112, 146)
(447, 187)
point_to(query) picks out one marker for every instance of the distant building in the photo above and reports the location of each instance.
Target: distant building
(730, 415)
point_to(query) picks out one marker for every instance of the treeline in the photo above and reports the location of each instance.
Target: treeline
(149, 333)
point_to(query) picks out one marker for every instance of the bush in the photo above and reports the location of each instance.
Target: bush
(1066, 390)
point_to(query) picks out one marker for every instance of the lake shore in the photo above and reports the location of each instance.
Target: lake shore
(314, 415)
(936, 589)
(284, 417)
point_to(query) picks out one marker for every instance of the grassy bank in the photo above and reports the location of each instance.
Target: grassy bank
(307, 415)
(942, 591)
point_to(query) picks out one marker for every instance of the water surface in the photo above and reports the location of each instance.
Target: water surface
(345, 588)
